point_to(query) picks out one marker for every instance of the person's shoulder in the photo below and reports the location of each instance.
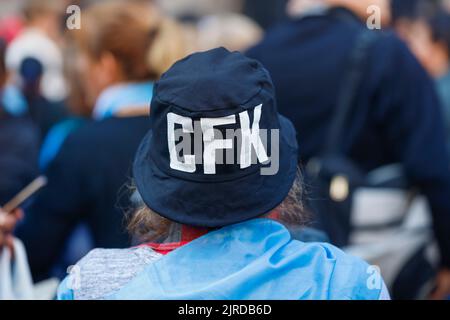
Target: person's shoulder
(352, 277)
(394, 51)
(331, 252)
(95, 131)
(108, 259)
(87, 136)
(103, 271)
(75, 150)
(55, 139)
(388, 41)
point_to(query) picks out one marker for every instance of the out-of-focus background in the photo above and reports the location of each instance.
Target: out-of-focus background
(53, 82)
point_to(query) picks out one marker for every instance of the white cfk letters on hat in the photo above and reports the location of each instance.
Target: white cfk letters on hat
(250, 139)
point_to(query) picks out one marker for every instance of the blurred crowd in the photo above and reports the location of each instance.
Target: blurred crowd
(74, 106)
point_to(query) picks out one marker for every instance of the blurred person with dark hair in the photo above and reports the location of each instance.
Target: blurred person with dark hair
(18, 157)
(43, 112)
(18, 143)
(40, 39)
(121, 49)
(397, 116)
(425, 26)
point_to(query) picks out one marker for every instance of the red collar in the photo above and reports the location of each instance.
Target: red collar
(187, 235)
(164, 248)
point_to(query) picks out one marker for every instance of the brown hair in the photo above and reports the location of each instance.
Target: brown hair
(144, 43)
(145, 225)
(33, 9)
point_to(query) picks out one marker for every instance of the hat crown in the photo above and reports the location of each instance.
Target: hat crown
(213, 100)
(213, 80)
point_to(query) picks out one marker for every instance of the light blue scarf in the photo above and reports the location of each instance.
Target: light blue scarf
(254, 260)
(121, 97)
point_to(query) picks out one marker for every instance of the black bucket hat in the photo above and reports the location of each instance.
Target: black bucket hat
(196, 105)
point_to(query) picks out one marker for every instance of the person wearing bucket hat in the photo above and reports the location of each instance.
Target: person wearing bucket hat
(217, 101)
(218, 179)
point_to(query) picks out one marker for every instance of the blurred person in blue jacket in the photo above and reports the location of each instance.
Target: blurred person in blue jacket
(398, 118)
(122, 48)
(214, 229)
(19, 143)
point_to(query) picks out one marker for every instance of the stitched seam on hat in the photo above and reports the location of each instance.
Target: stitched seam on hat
(211, 110)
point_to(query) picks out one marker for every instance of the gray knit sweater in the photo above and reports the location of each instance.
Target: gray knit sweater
(104, 271)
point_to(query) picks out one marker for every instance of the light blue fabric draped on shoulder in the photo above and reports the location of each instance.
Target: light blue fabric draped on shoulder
(254, 260)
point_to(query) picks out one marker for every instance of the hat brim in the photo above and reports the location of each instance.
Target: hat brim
(216, 204)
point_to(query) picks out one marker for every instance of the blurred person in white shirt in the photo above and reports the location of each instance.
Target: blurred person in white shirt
(39, 40)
